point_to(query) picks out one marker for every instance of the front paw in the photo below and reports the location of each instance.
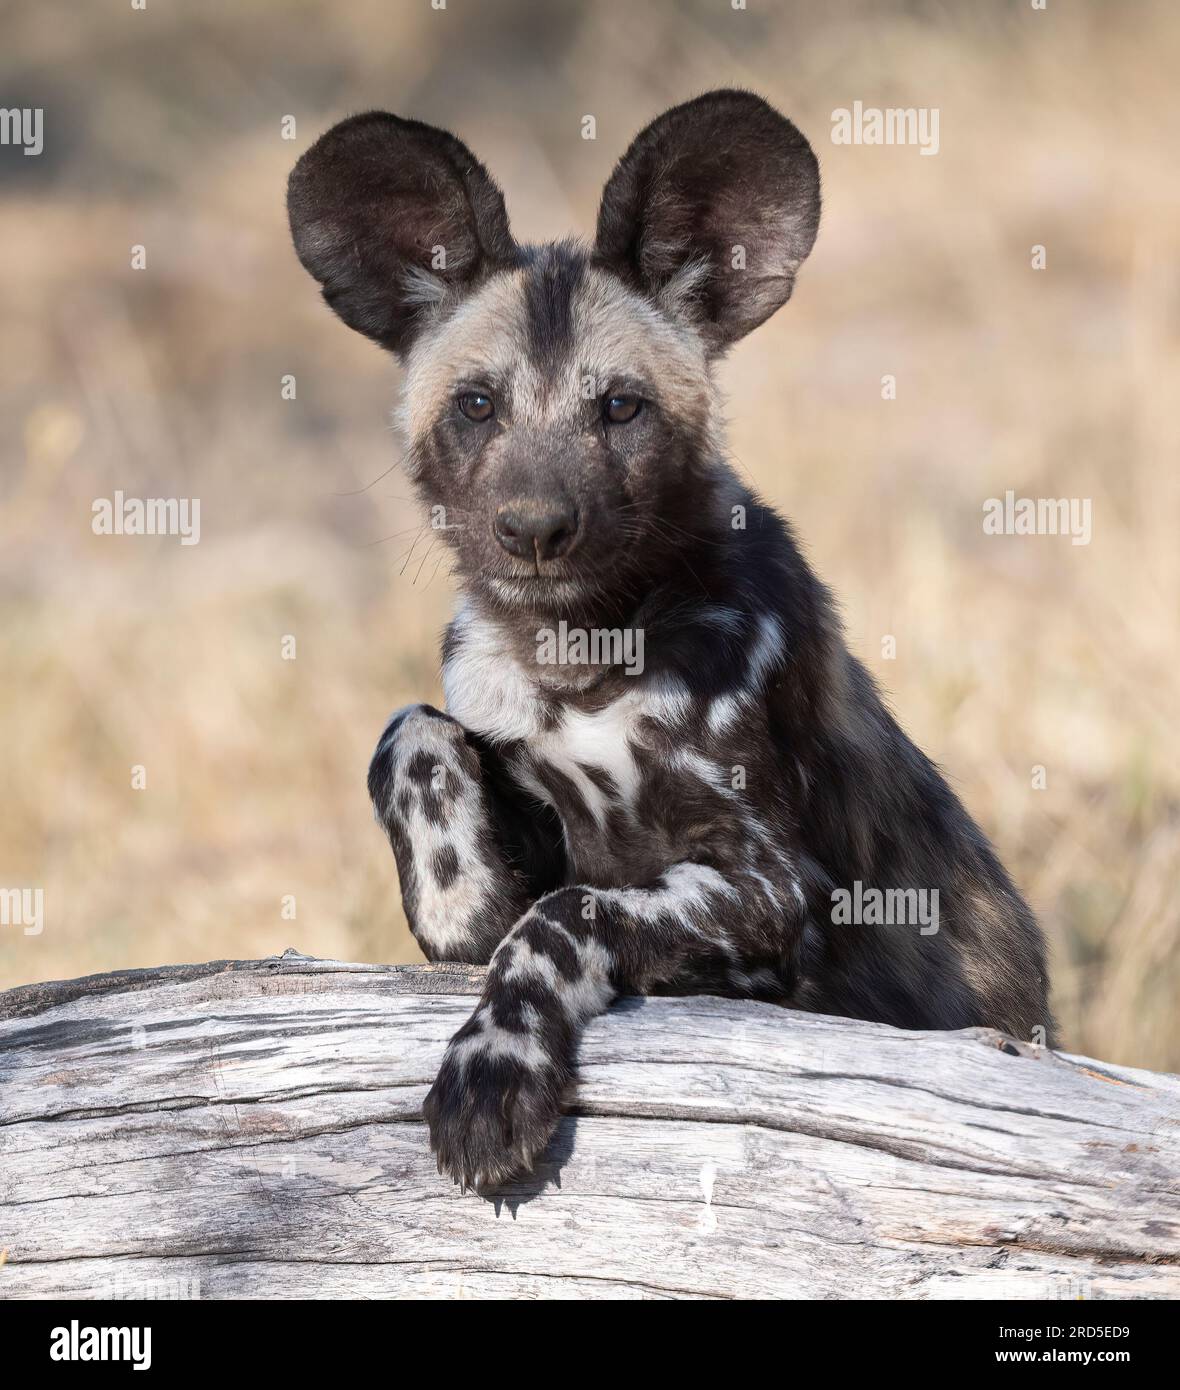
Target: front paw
(494, 1105)
(420, 750)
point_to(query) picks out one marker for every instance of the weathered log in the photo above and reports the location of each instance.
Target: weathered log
(254, 1129)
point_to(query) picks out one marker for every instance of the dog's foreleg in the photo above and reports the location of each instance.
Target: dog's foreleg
(497, 1098)
(430, 792)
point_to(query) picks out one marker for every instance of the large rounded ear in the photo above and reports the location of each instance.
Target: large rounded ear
(713, 208)
(391, 216)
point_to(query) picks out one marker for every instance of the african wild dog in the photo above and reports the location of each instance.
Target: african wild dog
(588, 830)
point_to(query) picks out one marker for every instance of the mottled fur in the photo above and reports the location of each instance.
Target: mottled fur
(586, 830)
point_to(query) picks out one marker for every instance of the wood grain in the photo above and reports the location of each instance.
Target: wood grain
(253, 1129)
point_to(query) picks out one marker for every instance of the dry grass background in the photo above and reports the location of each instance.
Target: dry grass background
(163, 128)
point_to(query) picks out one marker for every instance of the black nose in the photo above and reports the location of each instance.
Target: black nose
(546, 530)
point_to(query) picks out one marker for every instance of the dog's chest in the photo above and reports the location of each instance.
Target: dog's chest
(597, 770)
(588, 764)
(640, 778)
(606, 771)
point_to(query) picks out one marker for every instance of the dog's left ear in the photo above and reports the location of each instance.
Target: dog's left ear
(714, 206)
(390, 216)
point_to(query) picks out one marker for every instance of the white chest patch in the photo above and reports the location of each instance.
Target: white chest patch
(599, 740)
(489, 693)
(486, 691)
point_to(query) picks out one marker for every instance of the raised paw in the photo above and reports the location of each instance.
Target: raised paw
(494, 1105)
(418, 746)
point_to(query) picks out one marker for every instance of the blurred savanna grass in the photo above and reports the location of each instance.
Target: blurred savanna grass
(163, 128)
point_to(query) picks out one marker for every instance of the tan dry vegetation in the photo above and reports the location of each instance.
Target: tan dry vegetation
(162, 128)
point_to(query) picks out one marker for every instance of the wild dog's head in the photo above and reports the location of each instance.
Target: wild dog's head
(559, 399)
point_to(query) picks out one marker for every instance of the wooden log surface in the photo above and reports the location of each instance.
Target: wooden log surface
(254, 1129)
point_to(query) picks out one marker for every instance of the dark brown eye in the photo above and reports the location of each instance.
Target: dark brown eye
(476, 406)
(618, 410)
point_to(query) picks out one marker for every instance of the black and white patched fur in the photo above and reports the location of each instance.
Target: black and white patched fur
(587, 828)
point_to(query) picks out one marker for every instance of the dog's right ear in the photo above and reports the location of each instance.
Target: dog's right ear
(391, 216)
(721, 174)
